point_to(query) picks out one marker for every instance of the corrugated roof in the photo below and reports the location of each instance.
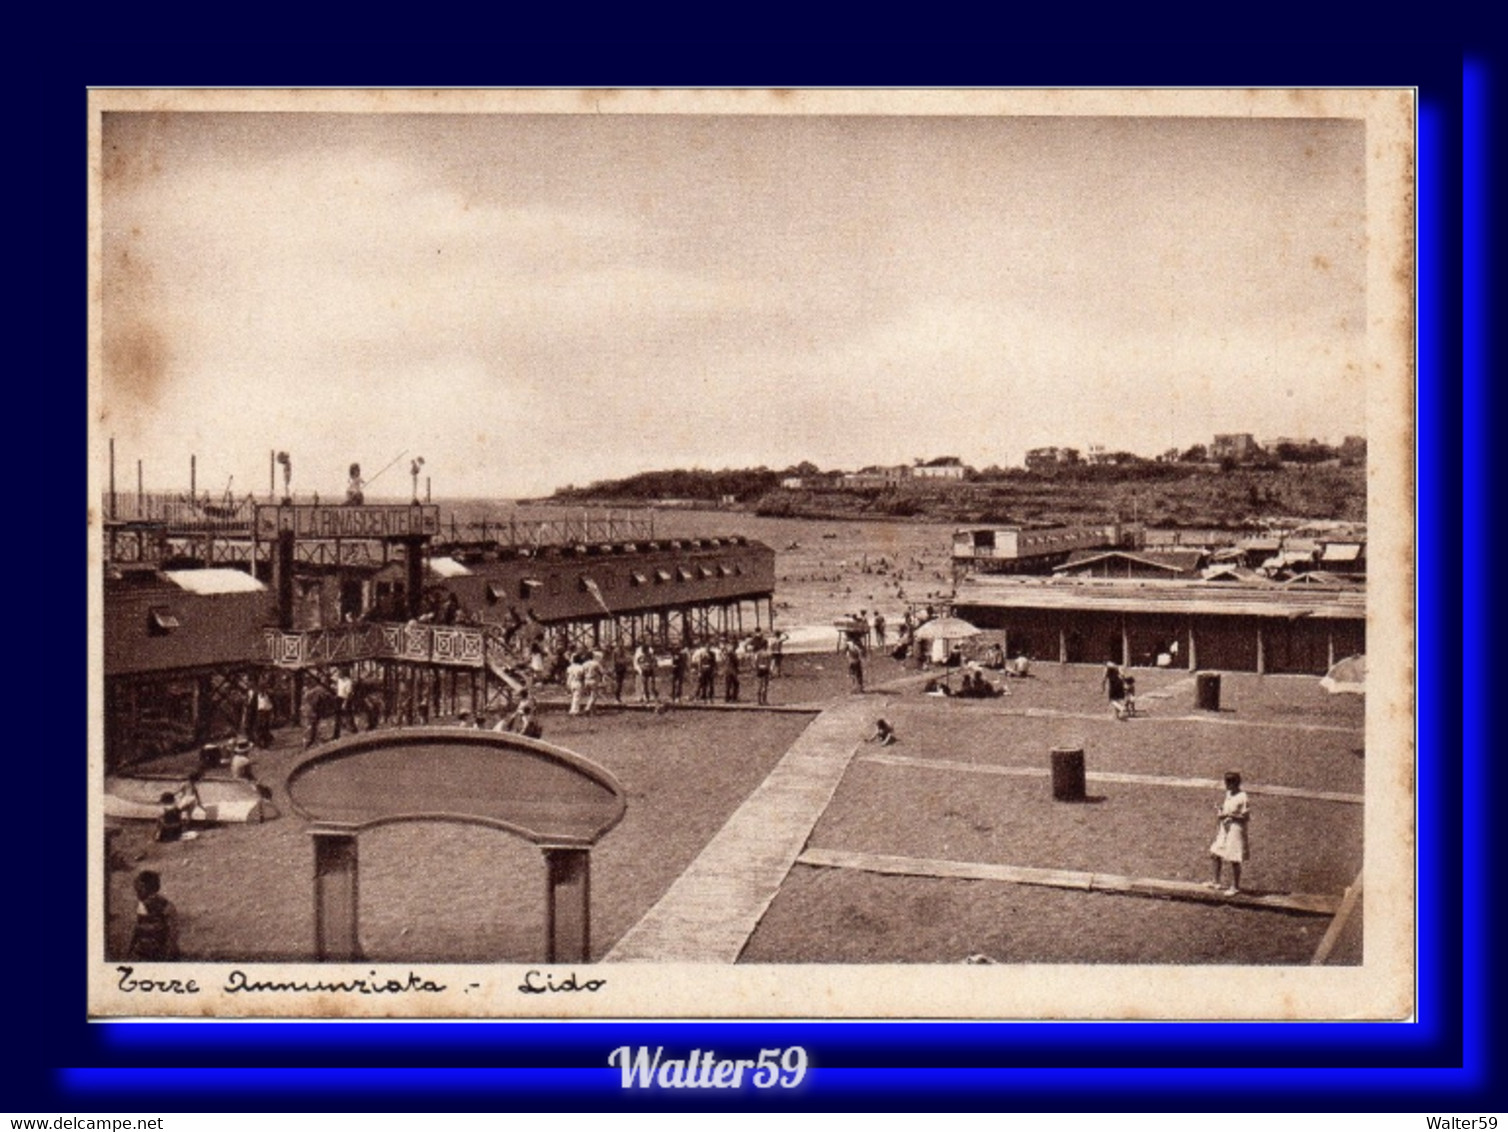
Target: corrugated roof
(1173, 560)
(214, 580)
(1160, 596)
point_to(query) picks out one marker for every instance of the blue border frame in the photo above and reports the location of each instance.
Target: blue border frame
(1442, 1061)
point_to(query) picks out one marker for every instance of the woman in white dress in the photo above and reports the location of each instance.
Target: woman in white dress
(1230, 842)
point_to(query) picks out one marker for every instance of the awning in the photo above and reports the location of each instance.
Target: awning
(214, 581)
(1341, 552)
(446, 567)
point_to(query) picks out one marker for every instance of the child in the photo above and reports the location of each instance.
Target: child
(240, 761)
(156, 933)
(1230, 838)
(884, 734)
(170, 822)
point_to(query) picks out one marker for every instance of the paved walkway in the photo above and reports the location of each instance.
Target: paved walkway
(709, 913)
(1318, 905)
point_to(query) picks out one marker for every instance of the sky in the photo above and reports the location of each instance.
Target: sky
(529, 301)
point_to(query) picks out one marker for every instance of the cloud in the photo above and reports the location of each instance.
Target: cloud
(584, 306)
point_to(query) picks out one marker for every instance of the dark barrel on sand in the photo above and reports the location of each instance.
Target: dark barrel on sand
(1068, 774)
(1207, 691)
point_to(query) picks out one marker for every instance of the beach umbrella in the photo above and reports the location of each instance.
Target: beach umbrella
(1349, 675)
(947, 629)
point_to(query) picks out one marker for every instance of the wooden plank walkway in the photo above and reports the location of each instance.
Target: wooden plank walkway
(709, 913)
(1337, 925)
(889, 759)
(1318, 905)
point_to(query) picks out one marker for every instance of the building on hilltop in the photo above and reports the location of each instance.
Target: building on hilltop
(1237, 446)
(942, 468)
(877, 476)
(1049, 460)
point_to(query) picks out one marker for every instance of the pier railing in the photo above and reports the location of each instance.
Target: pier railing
(203, 514)
(179, 511)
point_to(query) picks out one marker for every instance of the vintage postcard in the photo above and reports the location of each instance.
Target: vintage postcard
(752, 554)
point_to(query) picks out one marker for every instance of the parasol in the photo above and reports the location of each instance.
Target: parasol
(947, 629)
(1349, 675)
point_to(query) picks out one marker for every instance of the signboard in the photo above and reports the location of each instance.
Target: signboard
(342, 520)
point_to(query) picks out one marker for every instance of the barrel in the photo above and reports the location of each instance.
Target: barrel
(1207, 691)
(1068, 774)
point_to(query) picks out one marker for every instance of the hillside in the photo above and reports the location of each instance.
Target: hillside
(1169, 496)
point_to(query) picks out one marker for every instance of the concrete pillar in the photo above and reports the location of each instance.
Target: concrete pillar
(335, 895)
(1125, 644)
(1062, 646)
(568, 917)
(1261, 654)
(1193, 649)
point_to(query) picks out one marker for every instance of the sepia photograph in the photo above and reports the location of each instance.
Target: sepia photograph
(752, 554)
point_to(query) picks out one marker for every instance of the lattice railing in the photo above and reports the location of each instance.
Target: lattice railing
(451, 645)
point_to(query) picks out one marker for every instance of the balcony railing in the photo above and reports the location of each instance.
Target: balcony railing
(453, 645)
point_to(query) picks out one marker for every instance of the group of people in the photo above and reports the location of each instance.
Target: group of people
(716, 665)
(867, 631)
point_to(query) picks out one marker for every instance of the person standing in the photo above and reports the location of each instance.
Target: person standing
(879, 629)
(708, 673)
(1114, 685)
(573, 684)
(762, 667)
(262, 735)
(644, 669)
(677, 673)
(1230, 842)
(345, 689)
(777, 651)
(855, 667)
(620, 671)
(730, 675)
(591, 681)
